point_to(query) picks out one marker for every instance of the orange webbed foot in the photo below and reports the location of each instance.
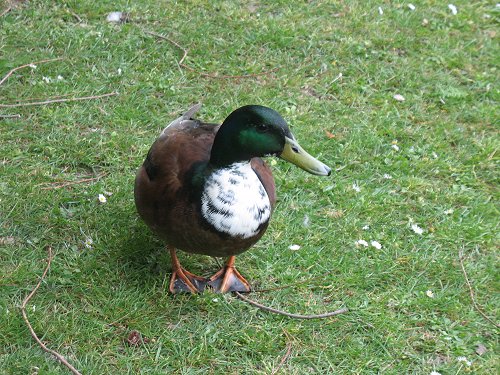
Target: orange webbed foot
(183, 281)
(228, 279)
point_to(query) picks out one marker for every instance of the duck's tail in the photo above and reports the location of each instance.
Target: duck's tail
(191, 111)
(186, 116)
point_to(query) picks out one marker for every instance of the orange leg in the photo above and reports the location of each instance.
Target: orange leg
(183, 280)
(228, 279)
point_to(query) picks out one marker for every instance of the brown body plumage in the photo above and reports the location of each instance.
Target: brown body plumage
(164, 193)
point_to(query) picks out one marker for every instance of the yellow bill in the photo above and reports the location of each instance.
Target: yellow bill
(295, 154)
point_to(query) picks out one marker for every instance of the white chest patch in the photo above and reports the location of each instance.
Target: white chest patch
(235, 202)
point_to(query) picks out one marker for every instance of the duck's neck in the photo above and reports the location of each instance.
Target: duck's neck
(229, 145)
(234, 201)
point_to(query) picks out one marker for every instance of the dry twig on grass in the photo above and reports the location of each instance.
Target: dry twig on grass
(5, 11)
(29, 100)
(77, 17)
(285, 356)
(27, 65)
(17, 115)
(32, 331)
(295, 316)
(471, 292)
(58, 100)
(58, 185)
(208, 75)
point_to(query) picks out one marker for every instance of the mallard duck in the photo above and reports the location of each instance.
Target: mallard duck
(204, 188)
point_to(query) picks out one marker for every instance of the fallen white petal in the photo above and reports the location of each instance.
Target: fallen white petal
(399, 97)
(294, 247)
(388, 176)
(395, 147)
(411, 6)
(465, 360)
(380, 11)
(376, 245)
(429, 294)
(356, 188)
(60, 78)
(435, 373)
(366, 227)
(114, 17)
(362, 242)
(417, 229)
(453, 9)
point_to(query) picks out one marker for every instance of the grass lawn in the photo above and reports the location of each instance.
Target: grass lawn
(419, 176)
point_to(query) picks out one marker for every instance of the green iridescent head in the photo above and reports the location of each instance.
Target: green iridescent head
(257, 131)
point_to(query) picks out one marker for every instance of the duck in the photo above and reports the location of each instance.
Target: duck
(204, 188)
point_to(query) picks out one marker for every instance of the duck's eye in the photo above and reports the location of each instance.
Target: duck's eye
(262, 128)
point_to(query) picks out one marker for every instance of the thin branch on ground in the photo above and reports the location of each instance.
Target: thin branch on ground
(17, 115)
(32, 331)
(291, 315)
(58, 100)
(5, 11)
(58, 185)
(285, 356)
(77, 17)
(471, 292)
(27, 65)
(184, 50)
(208, 75)
(30, 100)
